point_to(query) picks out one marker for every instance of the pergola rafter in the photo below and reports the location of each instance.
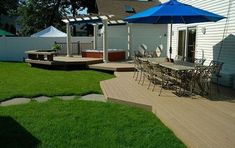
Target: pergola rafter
(111, 19)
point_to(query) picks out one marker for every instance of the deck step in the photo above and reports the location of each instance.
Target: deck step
(113, 66)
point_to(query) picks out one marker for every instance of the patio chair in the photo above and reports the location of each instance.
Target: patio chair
(158, 51)
(137, 54)
(184, 82)
(137, 65)
(178, 58)
(199, 61)
(217, 67)
(155, 76)
(150, 54)
(142, 69)
(147, 71)
(142, 50)
(167, 79)
(204, 80)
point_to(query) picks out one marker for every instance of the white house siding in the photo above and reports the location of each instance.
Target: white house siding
(209, 43)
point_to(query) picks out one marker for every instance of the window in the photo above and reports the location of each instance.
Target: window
(129, 9)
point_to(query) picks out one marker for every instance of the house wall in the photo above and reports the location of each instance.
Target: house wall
(13, 48)
(208, 44)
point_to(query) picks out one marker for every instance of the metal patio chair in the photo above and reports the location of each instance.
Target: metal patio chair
(142, 69)
(205, 80)
(199, 61)
(147, 71)
(138, 67)
(156, 76)
(217, 65)
(178, 58)
(167, 79)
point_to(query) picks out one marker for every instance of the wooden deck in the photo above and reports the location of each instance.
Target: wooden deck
(113, 66)
(197, 121)
(66, 61)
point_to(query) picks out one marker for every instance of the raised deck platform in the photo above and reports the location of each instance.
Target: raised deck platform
(113, 66)
(198, 122)
(65, 61)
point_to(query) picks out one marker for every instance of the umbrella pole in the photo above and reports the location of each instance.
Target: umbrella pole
(171, 41)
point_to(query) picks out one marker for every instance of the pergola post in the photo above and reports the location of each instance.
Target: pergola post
(129, 39)
(95, 36)
(105, 42)
(68, 40)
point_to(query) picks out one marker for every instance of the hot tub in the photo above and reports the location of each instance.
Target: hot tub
(113, 54)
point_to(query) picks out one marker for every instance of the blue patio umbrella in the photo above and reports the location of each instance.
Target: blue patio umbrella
(173, 12)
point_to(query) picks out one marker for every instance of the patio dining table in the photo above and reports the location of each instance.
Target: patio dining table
(180, 70)
(177, 66)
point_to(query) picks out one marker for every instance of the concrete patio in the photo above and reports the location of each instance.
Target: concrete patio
(197, 121)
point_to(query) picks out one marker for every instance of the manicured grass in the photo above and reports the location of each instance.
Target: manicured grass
(79, 123)
(20, 80)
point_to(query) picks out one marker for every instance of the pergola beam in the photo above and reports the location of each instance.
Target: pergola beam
(105, 19)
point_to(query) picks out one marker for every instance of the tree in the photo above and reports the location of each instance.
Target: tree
(39, 14)
(6, 6)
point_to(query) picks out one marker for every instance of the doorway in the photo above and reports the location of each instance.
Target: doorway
(181, 42)
(187, 43)
(191, 42)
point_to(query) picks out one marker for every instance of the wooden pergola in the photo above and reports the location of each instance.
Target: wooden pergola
(96, 20)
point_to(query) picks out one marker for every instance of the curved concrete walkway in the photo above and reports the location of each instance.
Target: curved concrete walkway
(41, 99)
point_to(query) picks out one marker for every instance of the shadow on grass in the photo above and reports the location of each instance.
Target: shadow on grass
(12, 134)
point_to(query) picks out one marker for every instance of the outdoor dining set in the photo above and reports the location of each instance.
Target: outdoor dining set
(186, 78)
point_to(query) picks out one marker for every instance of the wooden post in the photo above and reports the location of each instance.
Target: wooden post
(95, 37)
(170, 42)
(105, 42)
(129, 46)
(68, 40)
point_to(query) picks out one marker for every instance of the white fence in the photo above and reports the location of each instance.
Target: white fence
(13, 48)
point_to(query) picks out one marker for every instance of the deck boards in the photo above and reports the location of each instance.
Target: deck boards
(113, 66)
(65, 61)
(197, 121)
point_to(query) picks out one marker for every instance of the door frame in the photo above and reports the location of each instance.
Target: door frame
(186, 28)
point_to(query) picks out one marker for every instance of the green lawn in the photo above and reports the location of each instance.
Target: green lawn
(20, 80)
(77, 123)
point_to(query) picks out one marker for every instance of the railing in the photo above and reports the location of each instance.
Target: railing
(84, 46)
(76, 47)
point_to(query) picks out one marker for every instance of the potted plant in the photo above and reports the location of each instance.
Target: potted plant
(56, 47)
